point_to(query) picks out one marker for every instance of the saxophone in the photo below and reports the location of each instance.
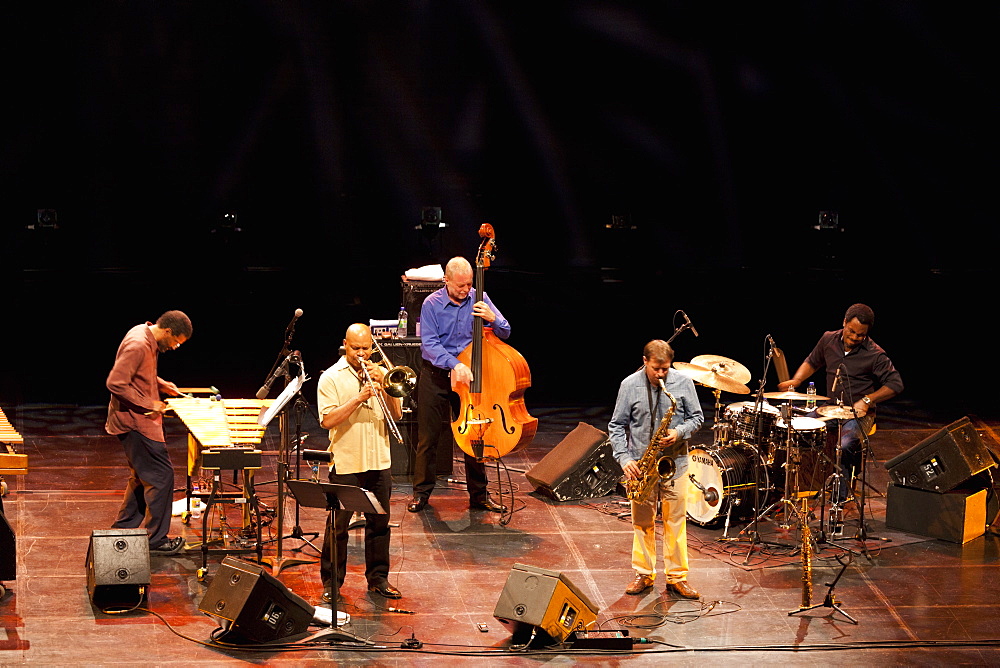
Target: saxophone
(653, 465)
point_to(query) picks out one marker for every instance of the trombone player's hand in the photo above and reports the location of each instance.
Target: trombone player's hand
(376, 372)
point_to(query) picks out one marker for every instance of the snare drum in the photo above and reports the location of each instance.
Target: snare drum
(806, 432)
(728, 478)
(752, 426)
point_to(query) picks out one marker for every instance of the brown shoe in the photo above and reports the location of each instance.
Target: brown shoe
(682, 589)
(641, 583)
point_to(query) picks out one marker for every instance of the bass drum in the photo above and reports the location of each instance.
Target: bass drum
(728, 478)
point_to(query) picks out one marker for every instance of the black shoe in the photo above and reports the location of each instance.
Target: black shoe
(385, 589)
(417, 504)
(488, 504)
(326, 597)
(168, 548)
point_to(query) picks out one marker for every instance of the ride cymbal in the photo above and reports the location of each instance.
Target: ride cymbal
(711, 378)
(724, 367)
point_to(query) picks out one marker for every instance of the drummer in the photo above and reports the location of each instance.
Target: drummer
(859, 373)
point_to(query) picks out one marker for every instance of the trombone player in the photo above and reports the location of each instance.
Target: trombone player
(356, 410)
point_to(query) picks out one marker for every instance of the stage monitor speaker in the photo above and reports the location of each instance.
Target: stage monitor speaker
(943, 460)
(958, 515)
(581, 466)
(118, 568)
(256, 605)
(536, 598)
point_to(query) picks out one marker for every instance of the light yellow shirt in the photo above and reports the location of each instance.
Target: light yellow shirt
(361, 442)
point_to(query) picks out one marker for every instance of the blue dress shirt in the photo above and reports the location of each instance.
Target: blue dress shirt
(446, 327)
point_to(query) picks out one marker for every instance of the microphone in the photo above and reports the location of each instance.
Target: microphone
(836, 380)
(687, 321)
(295, 316)
(711, 496)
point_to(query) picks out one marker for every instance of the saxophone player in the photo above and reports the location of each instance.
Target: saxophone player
(640, 408)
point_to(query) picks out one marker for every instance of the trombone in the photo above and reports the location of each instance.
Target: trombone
(398, 382)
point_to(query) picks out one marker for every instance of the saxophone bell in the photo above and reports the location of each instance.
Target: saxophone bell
(666, 467)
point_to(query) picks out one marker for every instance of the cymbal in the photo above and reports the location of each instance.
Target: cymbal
(724, 367)
(711, 378)
(794, 396)
(837, 412)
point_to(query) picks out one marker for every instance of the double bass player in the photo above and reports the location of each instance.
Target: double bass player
(446, 320)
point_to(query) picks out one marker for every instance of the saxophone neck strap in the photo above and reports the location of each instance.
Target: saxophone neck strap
(654, 409)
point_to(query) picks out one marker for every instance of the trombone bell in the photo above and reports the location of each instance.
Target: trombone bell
(399, 381)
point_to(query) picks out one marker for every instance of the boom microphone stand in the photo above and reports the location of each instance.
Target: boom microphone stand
(286, 358)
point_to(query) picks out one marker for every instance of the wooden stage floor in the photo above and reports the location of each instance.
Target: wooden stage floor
(917, 600)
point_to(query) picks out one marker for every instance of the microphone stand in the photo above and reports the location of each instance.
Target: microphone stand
(279, 561)
(752, 527)
(297, 533)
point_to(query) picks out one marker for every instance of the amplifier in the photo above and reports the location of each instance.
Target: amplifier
(413, 294)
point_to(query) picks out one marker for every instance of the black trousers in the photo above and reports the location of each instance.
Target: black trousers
(434, 416)
(150, 489)
(377, 529)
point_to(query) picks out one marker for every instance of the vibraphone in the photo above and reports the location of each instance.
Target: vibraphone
(222, 434)
(11, 463)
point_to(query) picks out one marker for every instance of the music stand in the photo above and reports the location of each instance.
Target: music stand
(333, 496)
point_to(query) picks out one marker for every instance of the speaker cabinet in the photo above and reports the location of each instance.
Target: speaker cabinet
(957, 515)
(536, 598)
(581, 466)
(256, 605)
(412, 296)
(118, 568)
(943, 460)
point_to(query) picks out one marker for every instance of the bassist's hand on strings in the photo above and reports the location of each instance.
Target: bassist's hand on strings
(483, 310)
(461, 374)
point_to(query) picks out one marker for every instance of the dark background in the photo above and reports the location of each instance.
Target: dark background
(711, 134)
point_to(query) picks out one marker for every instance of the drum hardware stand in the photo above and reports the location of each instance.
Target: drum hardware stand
(718, 437)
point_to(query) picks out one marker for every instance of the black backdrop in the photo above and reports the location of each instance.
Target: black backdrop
(707, 137)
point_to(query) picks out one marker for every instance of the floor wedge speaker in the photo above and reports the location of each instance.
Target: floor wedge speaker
(581, 466)
(254, 606)
(943, 460)
(535, 599)
(118, 568)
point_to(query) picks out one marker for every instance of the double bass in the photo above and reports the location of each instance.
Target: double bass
(493, 420)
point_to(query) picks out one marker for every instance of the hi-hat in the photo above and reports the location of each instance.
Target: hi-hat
(837, 412)
(724, 367)
(794, 396)
(711, 378)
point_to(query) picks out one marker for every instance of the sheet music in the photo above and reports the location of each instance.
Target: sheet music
(290, 391)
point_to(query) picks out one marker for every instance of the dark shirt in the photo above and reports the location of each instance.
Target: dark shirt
(134, 386)
(866, 367)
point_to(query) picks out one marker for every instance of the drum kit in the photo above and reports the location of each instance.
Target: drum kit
(762, 454)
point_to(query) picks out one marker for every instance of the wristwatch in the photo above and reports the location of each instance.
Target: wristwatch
(867, 400)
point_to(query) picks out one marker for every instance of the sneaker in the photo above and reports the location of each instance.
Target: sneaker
(167, 548)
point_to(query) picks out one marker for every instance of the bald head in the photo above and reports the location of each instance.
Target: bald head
(457, 266)
(357, 342)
